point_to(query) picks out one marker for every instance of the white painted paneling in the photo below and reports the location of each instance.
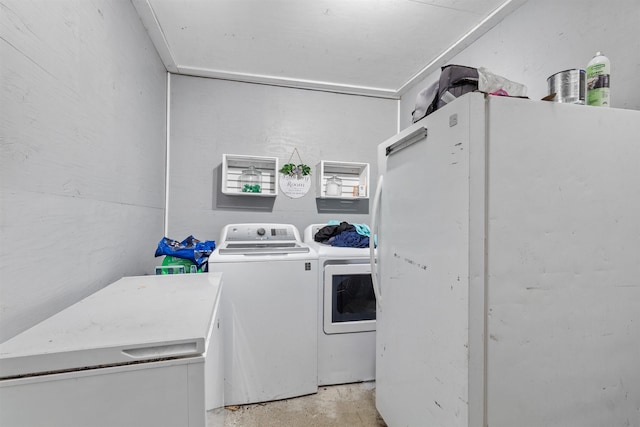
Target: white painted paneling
(65, 248)
(212, 117)
(83, 146)
(546, 36)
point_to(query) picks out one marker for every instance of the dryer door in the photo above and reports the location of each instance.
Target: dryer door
(349, 301)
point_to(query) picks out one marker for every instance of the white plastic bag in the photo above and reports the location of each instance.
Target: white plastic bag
(493, 83)
(423, 101)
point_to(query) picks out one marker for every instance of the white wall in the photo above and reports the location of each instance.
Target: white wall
(82, 123)
(211, 117)
(544, 37)
(82, 147)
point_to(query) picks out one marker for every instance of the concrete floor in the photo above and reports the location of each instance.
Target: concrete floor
(351, 405)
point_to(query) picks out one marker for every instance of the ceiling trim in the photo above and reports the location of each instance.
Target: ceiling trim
(289, 82)
(151, 23)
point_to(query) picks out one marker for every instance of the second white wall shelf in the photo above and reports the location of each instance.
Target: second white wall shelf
(354, 178)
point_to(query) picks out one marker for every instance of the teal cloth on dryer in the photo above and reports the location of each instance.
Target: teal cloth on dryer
(363, 229)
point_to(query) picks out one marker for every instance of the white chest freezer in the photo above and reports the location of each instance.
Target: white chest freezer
(133, 353)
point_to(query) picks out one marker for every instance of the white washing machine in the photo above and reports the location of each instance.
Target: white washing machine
(346, 313)
(269, 308)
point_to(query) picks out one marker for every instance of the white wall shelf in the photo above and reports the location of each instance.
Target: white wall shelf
(234, 164)
(354, 177)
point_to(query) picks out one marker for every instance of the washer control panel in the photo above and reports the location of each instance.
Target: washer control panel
(259, 232)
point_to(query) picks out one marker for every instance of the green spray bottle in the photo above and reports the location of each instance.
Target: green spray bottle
(598, 71)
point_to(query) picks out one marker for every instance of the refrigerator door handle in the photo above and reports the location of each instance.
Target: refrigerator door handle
(417, 135)
(372, 254)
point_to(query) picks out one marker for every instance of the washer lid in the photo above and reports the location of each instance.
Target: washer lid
(133, 320)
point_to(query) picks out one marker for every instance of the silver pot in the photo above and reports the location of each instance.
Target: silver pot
(569, 86)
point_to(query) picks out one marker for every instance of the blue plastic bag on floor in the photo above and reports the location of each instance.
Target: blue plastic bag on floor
(190, 248)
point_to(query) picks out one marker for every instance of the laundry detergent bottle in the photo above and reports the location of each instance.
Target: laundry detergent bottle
(598, 71)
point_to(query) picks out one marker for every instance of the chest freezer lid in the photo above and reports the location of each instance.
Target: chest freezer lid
(133, 320)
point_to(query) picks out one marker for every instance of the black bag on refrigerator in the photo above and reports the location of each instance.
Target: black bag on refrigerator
(455, 81)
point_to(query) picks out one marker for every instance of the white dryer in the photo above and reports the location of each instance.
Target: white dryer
(346, 313)
(269, 312)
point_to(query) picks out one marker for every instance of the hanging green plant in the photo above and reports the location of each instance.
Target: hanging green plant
(287, 169)
(295, 170)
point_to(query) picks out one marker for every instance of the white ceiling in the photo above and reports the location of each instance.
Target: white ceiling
(369, 47)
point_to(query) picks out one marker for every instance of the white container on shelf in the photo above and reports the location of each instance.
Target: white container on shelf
(264, 173)
(344, 180)
(334, 186)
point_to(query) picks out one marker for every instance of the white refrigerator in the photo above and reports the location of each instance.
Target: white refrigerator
(509, 267)
(143, 351)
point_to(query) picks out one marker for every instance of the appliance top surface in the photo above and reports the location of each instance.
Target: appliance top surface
(131, 320)
(260, 233)
(260, 239)
(327, 251)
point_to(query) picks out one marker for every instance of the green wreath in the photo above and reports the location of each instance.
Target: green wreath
(293, 170)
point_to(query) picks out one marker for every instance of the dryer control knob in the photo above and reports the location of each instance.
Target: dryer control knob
(261, 231)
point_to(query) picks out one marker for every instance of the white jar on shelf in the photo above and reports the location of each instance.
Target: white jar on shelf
(250, 181)
(334, 186)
